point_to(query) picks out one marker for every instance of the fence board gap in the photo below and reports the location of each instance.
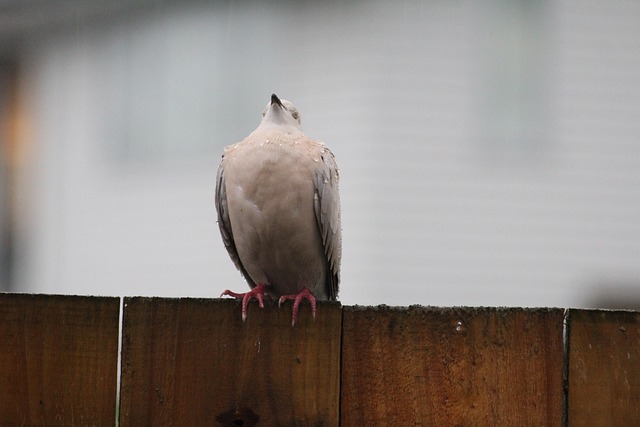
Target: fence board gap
(460, 366)
(604, 367)
(194, 362)
(58, 364)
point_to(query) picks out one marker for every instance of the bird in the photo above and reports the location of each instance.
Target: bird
(278, 209)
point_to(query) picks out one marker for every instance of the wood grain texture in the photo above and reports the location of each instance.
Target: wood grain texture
(194, 362)
(604, 368)
(58, 360)
(433, 366)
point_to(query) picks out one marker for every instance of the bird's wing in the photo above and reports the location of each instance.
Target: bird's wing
(327, 209)
(225, 223)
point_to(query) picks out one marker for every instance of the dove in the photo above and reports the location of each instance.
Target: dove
(278, 212)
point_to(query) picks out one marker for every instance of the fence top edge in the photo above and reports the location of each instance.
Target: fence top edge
(442, 309)
(356, 307)
(593, 314)
(43, 296)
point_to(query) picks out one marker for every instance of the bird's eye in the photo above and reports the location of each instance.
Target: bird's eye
(294, 114)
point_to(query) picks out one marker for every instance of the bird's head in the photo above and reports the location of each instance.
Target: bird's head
(281, 112)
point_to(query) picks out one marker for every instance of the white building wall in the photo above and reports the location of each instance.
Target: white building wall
(490, 154)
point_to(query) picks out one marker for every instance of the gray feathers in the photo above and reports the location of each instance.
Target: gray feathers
(279, 209)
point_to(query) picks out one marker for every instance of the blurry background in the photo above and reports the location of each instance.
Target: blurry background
(489, 151)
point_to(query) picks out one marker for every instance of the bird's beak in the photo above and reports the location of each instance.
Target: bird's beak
(276, 100)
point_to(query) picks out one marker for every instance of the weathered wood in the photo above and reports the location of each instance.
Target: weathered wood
(433, 366)
(58, 360)
(604, 368)
(194, 362)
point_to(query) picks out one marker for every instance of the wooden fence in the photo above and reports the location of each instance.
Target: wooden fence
(194, 362)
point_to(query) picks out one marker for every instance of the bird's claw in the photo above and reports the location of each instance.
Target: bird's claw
(304, 293)
(258, 292)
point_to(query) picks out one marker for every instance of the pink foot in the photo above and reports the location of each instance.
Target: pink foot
(304, 293)
(258, 292)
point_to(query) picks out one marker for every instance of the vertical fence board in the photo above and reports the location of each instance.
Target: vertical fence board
(604, 368)
(194, 362)
(58, 360)
(432, 366)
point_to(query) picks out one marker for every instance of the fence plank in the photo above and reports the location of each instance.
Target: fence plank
(432, 366)
(58, 360)
(194, 362)
(604, 368)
